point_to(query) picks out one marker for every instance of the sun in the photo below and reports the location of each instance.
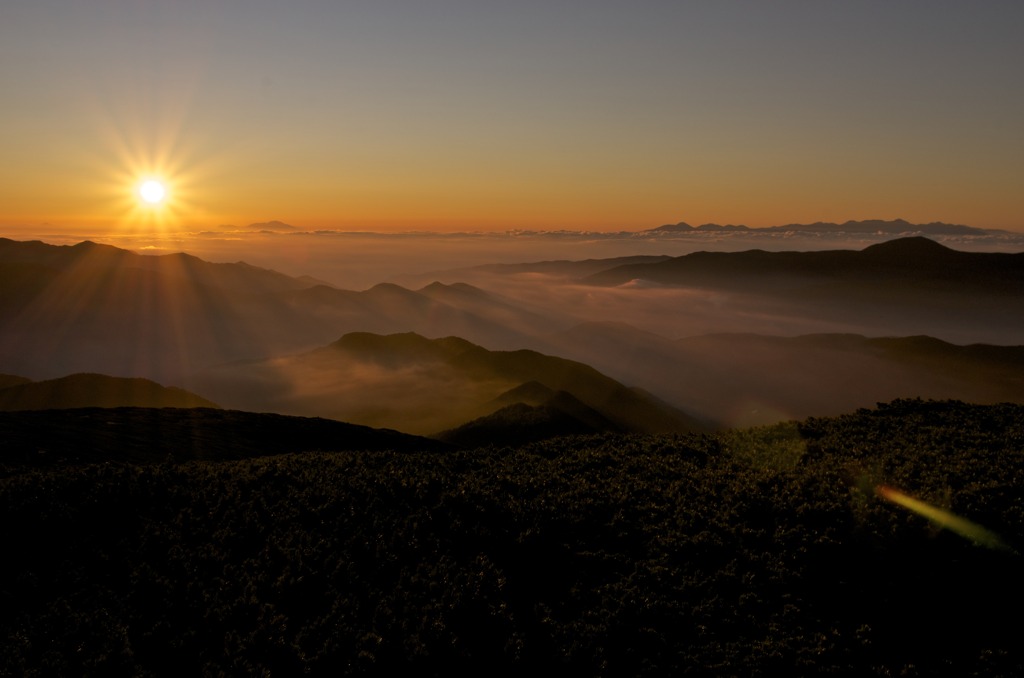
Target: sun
(152, 191)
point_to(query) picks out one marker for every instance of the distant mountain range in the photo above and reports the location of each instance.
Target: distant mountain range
(442, 359)
(914, 262)
(870, 226)
(905, 286)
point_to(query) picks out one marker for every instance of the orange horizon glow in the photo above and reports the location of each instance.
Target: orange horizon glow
(599, 121)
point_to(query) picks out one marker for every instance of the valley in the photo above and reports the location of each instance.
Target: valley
(709, 339)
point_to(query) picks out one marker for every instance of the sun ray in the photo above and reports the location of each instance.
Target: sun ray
(152, 191)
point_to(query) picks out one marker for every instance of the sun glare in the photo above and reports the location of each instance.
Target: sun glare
(152, 191)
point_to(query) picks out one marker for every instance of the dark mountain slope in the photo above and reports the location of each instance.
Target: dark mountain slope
(158, 435)
(528, 413)
(96, 390)
(7, 380)
(514, 425)
(766, 552)
(911, 262)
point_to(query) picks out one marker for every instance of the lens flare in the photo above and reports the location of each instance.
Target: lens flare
(965, 528)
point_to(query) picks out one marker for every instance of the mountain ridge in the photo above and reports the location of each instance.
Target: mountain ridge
(928, 261)
(96, 390)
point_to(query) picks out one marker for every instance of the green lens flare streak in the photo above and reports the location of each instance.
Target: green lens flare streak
(965, 528)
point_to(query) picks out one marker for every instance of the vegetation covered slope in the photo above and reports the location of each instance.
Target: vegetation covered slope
(758, 552)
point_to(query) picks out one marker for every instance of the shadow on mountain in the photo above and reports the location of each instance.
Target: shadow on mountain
(158, 435)
(535, 413)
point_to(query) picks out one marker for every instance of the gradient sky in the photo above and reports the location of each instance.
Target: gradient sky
(473, 114)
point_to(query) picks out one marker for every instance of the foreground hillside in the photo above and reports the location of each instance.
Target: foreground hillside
(759, 552)
(167, 435)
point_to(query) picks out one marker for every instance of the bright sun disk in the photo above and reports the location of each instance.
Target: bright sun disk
(152, 191)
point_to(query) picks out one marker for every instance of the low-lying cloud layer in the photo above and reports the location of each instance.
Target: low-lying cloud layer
(241, 335)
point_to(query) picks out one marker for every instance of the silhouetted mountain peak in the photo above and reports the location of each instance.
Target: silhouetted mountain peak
(12, 380)
(458, 289)
(97, 251)
(393, 290)
(530, 392)
(914, 247)
(271, 226)
(404, 345)
(682, 226)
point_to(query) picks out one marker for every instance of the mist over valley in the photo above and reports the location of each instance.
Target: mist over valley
(736, 338)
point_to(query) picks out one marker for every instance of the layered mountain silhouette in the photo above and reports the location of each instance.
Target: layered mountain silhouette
(97, 308)
(419, 385)
(908, 286)
(250, 338)
(95, 390)
(912, 263)
(756, 379)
